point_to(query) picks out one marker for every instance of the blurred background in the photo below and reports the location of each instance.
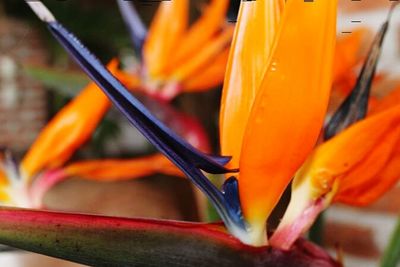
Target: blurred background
(37, 78)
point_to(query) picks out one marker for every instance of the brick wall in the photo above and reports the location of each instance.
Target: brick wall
(22, 100)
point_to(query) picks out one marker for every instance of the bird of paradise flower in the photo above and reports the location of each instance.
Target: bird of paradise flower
(75, 123)
(273, 137)
(174, 57)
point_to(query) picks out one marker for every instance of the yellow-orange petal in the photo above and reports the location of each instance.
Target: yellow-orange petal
(289, 109)
(203, 56)
(68, 130)
(5, 197)
(116, 170)
(210, 77)
(201, 32)
(251, 47)
(167, 28)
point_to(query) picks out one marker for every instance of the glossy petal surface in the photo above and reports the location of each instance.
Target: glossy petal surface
(250, 50)
(290, 107)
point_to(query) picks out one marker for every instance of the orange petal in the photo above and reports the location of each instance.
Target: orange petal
(201, 32)
(335, 158)
(68, 130)
(211, 77)
(371, 166)
(204, 56)
(168, 26)
(290, 107)
(347, 53)
(343, 162)
(391, 100)
(117, 170)
(388, 178)
(251, 48)
(3, 177)
(374, 182)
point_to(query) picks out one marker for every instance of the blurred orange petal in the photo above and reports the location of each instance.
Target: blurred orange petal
(3, 178)
(72, 126)
(116, 170)
(348, 53)
(210, 77)
(203, 56)
(201, 32)
(391, 100)
(290, 107)
(251, 47)
(167, 29)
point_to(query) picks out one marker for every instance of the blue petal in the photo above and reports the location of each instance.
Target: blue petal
(154, 130)
(185, 156)
(230, 190)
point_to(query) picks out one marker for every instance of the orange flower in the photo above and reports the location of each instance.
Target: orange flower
(179, 58)
(271, 118)
(70, 128)
(276, 108)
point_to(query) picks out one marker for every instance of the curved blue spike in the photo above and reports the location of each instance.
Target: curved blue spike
(223, 160)
(355, 106)
(137, 29)
(153, 129)
(186, 157)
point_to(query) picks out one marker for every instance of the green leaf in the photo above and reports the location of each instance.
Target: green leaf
(63, 82)
(109, 241)
(391, 257)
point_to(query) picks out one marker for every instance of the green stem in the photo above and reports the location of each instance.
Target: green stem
(391, 257)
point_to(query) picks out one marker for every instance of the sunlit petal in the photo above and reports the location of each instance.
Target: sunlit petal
(251, 47)
(290, 107)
